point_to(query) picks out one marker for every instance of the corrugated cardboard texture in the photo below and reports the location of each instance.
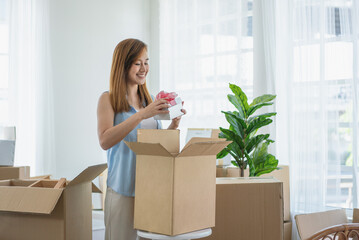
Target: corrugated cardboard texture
(169, 139)
(308, 224)
(78, 214)
(154, 193)
(29, 200)
(88, 174)
(287, 230)
(14, 172)
(248, 209)
(17, 226)
(194, 191)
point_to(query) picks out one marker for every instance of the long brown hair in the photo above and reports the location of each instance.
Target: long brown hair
(124, 55)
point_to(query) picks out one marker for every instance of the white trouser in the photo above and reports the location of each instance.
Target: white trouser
(119, 210)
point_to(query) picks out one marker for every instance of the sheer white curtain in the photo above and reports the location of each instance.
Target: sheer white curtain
(204, 46)
(317, 87)
(30, 84)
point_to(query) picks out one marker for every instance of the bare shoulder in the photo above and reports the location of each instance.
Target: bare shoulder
(104, 102)
(104, 99)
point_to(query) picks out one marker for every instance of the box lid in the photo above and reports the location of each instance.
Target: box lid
(194, 149)
(203, 148)
(169, 139)
(88, 174)
(202, 139)
(29, 200)
(154, 149)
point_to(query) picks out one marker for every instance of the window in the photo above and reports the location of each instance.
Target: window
(4, 61)
(208, 45)
(324, 69)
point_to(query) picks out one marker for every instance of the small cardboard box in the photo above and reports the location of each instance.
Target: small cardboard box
(44, 212)
(175, 191)
(174, 111)
(14, 172)
(248, 208)
(7, 146)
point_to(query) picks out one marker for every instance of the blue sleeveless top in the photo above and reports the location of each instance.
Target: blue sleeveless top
(121, 160)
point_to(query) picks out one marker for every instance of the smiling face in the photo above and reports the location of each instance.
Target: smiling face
(138, 70)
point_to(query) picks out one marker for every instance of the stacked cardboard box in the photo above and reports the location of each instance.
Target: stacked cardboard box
(43, 209)
(14, 172)
(282, 175)
(248, 208)
(175, 190)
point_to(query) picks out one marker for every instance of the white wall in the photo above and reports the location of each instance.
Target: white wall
(84, 34)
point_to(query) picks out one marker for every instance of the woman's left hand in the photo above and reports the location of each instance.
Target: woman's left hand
(176, 121)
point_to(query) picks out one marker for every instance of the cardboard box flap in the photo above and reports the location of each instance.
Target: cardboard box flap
(29, 200)
(169, 139)
(95, 189)
(153, 149)
(202, 139)
(203, 148)
(88, 174)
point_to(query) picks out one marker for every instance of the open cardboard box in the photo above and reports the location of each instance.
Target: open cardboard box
(22, 172)
(175, 190)
(48, 209)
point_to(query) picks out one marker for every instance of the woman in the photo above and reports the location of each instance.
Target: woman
(121, 111)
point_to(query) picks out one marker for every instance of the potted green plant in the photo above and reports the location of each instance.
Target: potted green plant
(247, 147)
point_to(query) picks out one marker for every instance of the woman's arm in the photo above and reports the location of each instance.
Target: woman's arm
(110, 135)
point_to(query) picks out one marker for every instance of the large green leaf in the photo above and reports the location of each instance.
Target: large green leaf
(258, 123)
(241, 96)
(235, 163)
(238, 104)
(236, 147)
(254, 108)
(236, 123)
(221, 135)
(222, 153)
(250, 162)
(262, 160)
(263, 99)
(232, 136)
(265, 115)
(270, 164)
(253, 142)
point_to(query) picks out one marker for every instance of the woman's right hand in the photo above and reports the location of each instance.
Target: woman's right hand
(159, 106)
